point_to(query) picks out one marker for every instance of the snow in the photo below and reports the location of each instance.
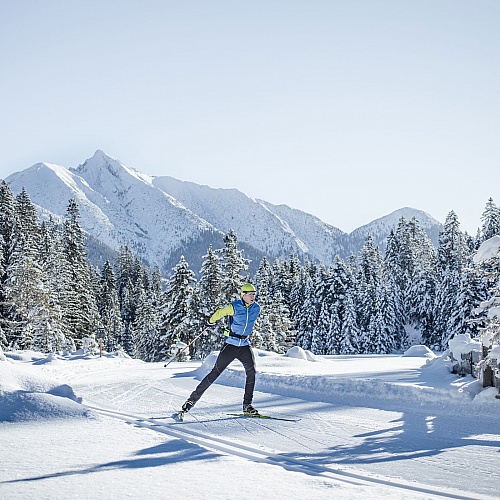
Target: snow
(488, 250)
(383, 426)
(463, 344)
(419, 351)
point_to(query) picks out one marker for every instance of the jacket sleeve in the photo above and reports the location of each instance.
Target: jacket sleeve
(220, 313)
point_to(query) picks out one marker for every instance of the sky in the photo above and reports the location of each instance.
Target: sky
(346, 109)
(397, 427)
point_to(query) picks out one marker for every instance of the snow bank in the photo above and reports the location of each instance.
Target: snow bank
(299, 353)
(28, 395)
(419, 351)
(430, 381)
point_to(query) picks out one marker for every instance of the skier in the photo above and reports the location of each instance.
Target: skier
(242, 315)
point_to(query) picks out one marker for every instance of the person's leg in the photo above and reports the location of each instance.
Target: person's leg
(227, 354)
(247, 359)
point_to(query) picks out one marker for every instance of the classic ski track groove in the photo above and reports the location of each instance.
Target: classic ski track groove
(176, 429)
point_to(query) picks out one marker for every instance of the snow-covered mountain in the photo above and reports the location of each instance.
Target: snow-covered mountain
(379, 229)
(161, 218)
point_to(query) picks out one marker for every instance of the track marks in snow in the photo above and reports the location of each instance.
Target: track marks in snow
(242, 450)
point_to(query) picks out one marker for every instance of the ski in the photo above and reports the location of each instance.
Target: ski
(267, 417)
(178, 415)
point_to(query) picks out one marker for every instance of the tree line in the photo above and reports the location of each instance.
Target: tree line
(53, 300)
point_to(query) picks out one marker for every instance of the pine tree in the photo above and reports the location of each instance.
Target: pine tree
(334, 334)
(126, 279)
(80, 311)
(452, 254)
(370, 279)
(279, 333)
(7, 223)
(491, 221)
(471, 293)
(175, 309)
(111, 326)
(349, 333)
(210, 294)
(146, 327)
(305, 317)
(26, 285)
(50, 336)
(233, 265)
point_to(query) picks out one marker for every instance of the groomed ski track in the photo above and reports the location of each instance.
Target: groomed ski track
(179, 430)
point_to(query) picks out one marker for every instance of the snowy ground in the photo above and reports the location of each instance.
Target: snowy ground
(394, 427)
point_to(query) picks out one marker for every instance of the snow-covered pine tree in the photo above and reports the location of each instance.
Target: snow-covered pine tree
(25, 287)
(491, 221)
(452, 254)
(146, 328)
(126, 279)
(305, 315)
(296, 296)
(380, 340)
(279, 326)
(111, 326)
(334, 334)
(322, 328)
(51, 261)
(210, 293)
(488, 261)
(233, 267)
(263, 331)
(349, 334)
(323, 300)
(7, 222)
(472, 292)
(341, 279)
(370, 279)
(410, 271)
(79, 308)
(175, 309)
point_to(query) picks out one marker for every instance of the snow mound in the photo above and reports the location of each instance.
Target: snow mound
(25, 395)
(463, 344)
(488, 250)
(419, 351)
(299, 353)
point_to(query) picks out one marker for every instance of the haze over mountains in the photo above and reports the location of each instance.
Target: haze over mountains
(161, 218)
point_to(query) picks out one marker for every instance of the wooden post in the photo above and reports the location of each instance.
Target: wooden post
(100, 348)
(487, 371)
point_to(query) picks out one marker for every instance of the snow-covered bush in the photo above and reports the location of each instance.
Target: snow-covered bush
(464, 352)
(177, 351)
(488, 255)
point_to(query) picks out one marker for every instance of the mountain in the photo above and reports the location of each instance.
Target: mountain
(161, 218)
(379, 229)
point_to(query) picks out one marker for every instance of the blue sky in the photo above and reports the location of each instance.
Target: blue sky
(347, 110)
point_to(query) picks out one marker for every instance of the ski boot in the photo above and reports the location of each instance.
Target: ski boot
(250, 410)
(185, 408)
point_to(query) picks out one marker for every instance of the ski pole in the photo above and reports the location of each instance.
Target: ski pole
(184, 348)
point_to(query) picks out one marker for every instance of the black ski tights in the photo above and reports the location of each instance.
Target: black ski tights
(228, 354)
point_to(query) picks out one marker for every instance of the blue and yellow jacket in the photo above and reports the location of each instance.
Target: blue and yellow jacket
(241, 321)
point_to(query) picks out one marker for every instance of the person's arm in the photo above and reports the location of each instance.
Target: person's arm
(221, 313)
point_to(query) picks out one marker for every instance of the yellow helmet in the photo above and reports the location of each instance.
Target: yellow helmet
(247, 287)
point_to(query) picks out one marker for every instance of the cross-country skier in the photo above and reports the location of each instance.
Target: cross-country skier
(242, 315)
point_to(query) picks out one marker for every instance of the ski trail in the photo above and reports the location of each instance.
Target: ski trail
(224, 445)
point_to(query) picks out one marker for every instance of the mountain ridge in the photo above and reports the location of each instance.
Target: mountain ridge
(161, 218)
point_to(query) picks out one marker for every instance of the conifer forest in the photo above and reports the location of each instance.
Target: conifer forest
(53, 300)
